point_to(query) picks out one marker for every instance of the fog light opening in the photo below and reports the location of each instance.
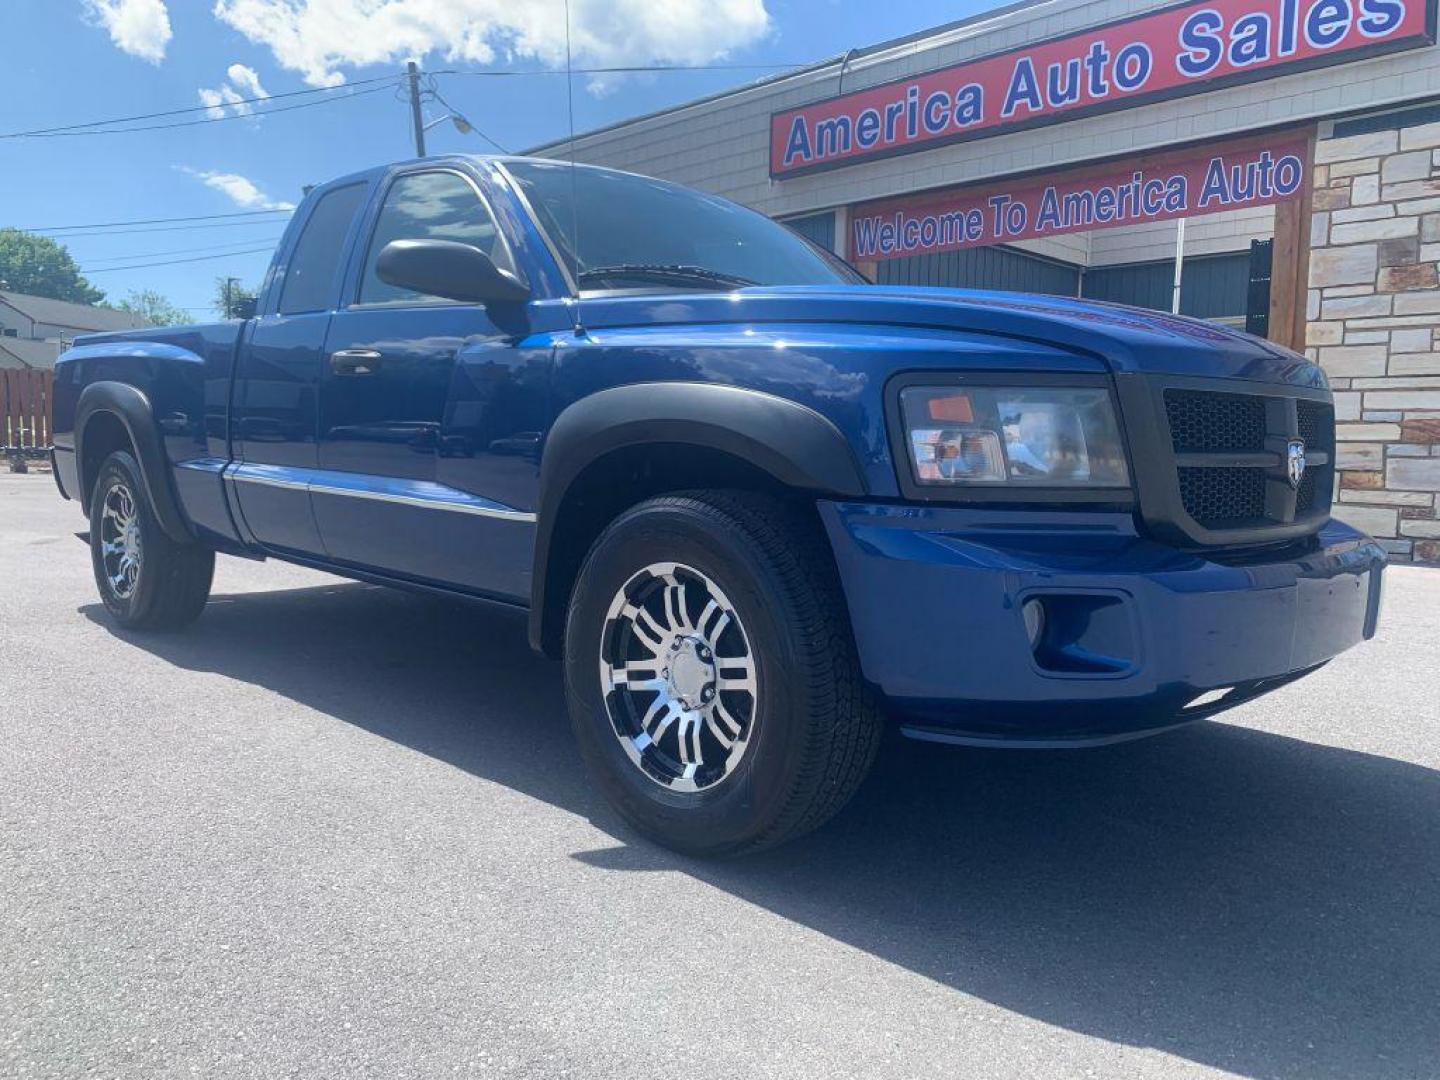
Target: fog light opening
(1033, 612)
(1083, 633)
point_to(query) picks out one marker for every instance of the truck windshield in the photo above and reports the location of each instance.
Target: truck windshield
(638, 233)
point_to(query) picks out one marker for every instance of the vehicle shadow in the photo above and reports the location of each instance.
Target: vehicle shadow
(1243, 900)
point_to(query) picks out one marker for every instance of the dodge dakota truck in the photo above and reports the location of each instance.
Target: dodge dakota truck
(761, 508)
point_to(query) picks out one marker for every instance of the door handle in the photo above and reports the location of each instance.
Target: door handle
(355, 362)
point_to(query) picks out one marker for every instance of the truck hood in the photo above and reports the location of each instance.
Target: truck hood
(1127, 339)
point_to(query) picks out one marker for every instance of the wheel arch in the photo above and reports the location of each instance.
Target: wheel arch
(620, 446)
(106, 410)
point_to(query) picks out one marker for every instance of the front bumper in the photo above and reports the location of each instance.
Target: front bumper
(1138, 637)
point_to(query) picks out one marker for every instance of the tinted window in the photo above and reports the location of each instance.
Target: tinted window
(310, 279)
(429, 206)
(603, 219)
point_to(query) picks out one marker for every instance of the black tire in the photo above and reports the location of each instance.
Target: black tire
(172, 582)
(815, 729)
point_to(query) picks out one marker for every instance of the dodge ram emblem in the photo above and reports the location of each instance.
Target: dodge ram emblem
(1295, 462)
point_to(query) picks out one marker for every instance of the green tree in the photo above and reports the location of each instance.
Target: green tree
(229, 292)
(38, 266)
(155, 309)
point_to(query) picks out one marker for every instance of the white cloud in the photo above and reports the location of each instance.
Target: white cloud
(246, 80)
(216, 100)
(241, 191)
(321, 38)
(242, 86)
(138, 27)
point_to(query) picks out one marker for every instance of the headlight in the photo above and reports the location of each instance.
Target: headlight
(1023, 436)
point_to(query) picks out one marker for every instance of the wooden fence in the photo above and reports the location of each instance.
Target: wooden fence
(25, 396)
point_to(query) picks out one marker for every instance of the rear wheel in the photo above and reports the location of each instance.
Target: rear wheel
(712, 676)
(146, 580)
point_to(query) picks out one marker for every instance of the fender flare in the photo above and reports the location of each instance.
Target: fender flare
(791, 442)
(132, 408)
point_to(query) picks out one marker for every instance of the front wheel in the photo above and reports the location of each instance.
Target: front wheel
(146, 580)
(712, 677)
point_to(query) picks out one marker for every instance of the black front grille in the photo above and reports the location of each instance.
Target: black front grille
(1202, 422)
(1317, 424)
(1317, 428)
(1231, 495)
(1220, 498)
(1305, 494)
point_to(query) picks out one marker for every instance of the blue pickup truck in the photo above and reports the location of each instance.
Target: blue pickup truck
(760, 507)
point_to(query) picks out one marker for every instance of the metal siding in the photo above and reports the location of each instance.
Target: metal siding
(1215, 288)
(1146, 285)
(982, 268)
(1391, 121)
(817, 227)
(1210, 288)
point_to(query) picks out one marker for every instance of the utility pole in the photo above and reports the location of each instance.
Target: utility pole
(414, 76)
(229, 303)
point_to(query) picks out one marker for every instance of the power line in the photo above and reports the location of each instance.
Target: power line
(192, 108)
(169, 228)
(206, 120)
(108, 126)
(222, 248)
(434, 92)
(177, 262)
(155, 221)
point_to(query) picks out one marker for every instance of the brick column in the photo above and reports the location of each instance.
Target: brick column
(1373, 324)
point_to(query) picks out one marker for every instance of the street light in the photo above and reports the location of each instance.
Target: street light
(463, 126)
(427, 91)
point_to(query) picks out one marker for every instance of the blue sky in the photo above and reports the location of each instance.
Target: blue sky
(83, 60)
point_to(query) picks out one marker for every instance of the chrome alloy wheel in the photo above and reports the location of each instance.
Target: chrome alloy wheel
(120, 541)
(678, 677)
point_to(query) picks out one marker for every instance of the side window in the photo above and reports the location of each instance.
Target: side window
(429, 206)
(310, 278)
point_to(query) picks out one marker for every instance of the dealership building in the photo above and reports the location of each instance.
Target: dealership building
(1270, 164)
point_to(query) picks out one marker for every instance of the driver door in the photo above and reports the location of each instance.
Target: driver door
(396, 365)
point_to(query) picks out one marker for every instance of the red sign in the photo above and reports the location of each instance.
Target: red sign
(1189, 48)
(1178, 183)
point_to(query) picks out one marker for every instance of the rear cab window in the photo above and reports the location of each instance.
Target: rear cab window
(312, 276)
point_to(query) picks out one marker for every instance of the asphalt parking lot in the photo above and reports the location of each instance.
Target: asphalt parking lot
(336, 831)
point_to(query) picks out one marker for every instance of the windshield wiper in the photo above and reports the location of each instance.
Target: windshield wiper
(664, 274)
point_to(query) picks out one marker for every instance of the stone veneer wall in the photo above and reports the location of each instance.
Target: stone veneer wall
(1373, 324)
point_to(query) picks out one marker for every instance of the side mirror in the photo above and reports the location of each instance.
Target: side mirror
(453, 271)
(244, 308)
